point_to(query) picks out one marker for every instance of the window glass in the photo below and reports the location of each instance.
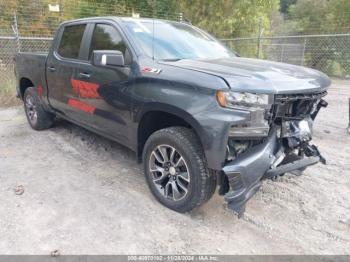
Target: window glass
(106, 37)
(174, 40)
(70, 41)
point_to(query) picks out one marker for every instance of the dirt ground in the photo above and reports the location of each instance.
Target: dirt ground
(86, 195)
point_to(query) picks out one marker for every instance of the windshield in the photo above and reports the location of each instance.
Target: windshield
(175, 41)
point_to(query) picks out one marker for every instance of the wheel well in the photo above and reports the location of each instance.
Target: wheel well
(24, 83)
(154, 121)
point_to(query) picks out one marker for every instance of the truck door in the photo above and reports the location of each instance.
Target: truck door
(106, 107)
(62, 67)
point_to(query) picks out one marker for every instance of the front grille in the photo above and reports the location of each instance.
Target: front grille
(295, 97)
(296, 106)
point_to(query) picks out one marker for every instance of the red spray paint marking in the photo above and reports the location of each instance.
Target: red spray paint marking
(85, 89)
(40, 90)
(81, 106)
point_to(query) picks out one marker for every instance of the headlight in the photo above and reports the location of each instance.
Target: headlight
(242, 99)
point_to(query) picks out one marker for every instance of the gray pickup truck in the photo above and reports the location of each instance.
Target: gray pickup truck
(196, 114)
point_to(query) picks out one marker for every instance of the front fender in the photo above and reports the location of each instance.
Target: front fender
(195, 104)
(176, 111)
(211, 126)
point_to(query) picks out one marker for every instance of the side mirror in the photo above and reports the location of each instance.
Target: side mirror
(107, 58)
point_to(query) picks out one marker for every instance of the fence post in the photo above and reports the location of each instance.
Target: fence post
(303, 54)
(261, 30)
(349, 117)
(16, 33)
(282, 53)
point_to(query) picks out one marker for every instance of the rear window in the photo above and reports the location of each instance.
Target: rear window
(71, 40)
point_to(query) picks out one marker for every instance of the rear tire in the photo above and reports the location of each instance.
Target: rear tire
(37, 117)
(176, 170)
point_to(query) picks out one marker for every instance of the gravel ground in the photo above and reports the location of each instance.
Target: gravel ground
(68, 189)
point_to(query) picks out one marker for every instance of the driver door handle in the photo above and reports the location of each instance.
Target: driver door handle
(85, 75)
(52, 69)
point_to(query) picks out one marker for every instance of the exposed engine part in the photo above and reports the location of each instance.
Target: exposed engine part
(298, 164)
(295, 115)
(286, 149)
(298, 107)
(289, 157)
(320, 104)
(297, 131)
(236, 147)
(280, 156)
(295, 161)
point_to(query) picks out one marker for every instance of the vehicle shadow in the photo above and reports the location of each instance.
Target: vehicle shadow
(87, 141)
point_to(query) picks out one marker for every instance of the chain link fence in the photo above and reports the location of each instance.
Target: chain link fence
(327, 53)
(10, 45)
(28, 26)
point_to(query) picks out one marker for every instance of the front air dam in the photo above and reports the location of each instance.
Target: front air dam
(246, 171)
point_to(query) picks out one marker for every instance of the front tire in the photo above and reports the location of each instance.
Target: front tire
(37, 117)
(176, 169)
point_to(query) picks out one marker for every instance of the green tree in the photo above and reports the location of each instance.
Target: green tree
(321, 16)
(167, 9)
(7, 9)
(230, 19)
(146, 8)
(32, 16)
(284, 5)
(227, 18)
(90, 8)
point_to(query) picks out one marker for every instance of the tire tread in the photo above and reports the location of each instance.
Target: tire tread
(45, 119)
(190, 142)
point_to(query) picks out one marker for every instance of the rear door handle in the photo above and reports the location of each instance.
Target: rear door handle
(84, 75)
(51, 69)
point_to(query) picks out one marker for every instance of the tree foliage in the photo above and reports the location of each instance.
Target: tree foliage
(284, 5)
(321, 16)
(146, 8)
(227, 18)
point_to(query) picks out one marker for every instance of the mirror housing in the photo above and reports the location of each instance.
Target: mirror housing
(107, 58)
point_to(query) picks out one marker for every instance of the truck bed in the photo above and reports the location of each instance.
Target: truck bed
(31, 65)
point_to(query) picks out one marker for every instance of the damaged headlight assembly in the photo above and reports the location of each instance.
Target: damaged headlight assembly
(243, 100)
(256, 104)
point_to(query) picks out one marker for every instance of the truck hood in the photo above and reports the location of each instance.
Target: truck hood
(260, 76)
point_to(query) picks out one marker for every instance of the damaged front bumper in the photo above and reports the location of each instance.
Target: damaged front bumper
(266, 160)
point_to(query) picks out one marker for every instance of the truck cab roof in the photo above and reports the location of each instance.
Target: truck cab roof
(119, 19)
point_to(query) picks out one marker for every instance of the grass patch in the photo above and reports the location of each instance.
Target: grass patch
(8, 94)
